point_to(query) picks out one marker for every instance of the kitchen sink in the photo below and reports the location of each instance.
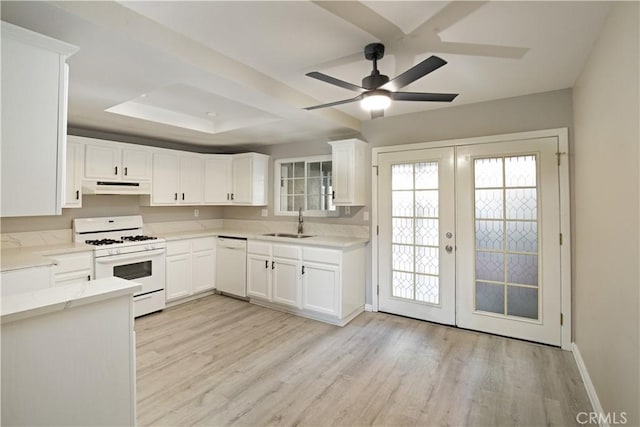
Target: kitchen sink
(288, 235)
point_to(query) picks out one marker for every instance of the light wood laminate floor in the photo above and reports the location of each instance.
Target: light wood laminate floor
(218, 361)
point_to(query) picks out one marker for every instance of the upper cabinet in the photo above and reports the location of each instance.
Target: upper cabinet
(249, 179)
(74, 174)
(217, 179)
(34, 116)
(177, 178)
(106, 160)
(348, 159)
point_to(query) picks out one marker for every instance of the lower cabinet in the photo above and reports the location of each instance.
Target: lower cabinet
(190, 267)
(13, 282)
(72, 268)
(322, 283)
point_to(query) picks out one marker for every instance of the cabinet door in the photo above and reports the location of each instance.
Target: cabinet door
(320, 288)
(286, 283)
(73, 175)
(178, 276)
(191, 180)
(136, 164)
(241, 180)
(342, 164)
(31, 119)
(259, 276)
(217, 180)
(204, 270)
(166, 179)
(102, 161)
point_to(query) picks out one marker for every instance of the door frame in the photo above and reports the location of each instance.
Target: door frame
(562, 136)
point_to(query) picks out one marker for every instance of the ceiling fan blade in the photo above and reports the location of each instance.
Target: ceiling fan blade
(421, 96)
(336, 82)
(377, 113)
(430, 64)
(332, 104)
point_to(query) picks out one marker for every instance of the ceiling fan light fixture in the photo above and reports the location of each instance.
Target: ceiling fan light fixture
(375, 100)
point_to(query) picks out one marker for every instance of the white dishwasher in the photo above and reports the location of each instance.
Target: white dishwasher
(231, 265)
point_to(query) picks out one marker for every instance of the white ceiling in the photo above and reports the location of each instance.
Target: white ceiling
(244, 62)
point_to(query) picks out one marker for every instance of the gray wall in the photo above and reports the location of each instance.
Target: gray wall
(524, 113)
(607, 212)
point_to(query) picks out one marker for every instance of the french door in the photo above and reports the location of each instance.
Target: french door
(469, 235)
(417, 277)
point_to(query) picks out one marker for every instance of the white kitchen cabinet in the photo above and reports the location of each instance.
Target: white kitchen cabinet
(322, 283)
(34, 122)
(190, 267)
(203, 260)
(176, 179)
(259, 276)
(217, 179)
(13, 282)
(249, 179)
(72, 268)
(107, 160)
(73, 174)
(348, 158)
(320, 288)
(191, 180)
(273, 272)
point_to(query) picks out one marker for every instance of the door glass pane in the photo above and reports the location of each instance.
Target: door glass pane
(415, 232)
(506, 236)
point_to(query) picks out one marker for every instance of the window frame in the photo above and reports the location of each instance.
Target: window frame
(277, 211)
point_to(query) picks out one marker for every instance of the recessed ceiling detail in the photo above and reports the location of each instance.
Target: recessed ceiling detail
(192, 108)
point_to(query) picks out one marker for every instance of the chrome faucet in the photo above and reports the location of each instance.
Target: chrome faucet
(300, 221)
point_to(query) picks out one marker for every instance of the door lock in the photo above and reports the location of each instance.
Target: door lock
(448, 248)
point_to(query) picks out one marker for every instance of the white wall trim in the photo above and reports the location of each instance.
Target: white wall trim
(588, 385)
(368, 307)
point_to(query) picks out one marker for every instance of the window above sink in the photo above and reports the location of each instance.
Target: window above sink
(304, 182)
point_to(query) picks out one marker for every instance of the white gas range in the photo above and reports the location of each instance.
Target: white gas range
(121, 250)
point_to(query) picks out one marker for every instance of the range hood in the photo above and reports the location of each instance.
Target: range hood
(116, 187)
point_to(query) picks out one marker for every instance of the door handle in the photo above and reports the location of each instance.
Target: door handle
(448, 248)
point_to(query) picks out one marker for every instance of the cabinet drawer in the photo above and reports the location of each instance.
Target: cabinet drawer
(285, 251)
(259, 248)
(203, 244)
(178, 247)
(325, 256)
(68, 263)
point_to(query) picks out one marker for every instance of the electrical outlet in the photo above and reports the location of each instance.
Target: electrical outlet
(347, 210)
(265, 212)
(196, 213)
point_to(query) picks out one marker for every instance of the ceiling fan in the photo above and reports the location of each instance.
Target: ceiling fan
(377, 90)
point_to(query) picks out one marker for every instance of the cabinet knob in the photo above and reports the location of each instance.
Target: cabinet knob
(266, 263)
(116, 170)
(231, 196)
(77, 194)
(333, 195)
(182, 196)
(273, 265)
(303, 270)
(125, 170)
(175, 196)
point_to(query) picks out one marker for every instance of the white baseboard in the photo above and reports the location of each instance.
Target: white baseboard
(368, 307)
(588, 385)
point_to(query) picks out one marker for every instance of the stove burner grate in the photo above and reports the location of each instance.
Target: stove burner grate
(102, 242)
(137, 238)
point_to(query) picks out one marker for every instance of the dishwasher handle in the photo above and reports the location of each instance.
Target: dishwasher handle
(232, 243)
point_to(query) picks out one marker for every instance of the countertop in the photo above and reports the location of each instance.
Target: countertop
(338, 242)
(38, 256)
(36, 303)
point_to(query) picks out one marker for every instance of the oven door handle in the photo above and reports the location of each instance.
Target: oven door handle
(109, 259)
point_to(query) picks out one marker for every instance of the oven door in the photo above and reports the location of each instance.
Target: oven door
(146, 268)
